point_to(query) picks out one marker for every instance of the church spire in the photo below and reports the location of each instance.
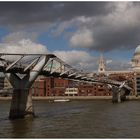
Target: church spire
(101, 68)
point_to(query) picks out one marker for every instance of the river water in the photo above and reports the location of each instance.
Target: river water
(75, 119)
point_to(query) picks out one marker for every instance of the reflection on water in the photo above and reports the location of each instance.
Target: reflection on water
(76, 119)
(21, 127)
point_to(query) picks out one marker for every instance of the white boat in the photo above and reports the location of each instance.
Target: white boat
(61, 100)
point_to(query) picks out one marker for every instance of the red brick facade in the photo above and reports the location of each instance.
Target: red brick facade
(93, 90)
(49, 86)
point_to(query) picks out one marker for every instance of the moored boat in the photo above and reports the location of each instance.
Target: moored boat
(61, 100)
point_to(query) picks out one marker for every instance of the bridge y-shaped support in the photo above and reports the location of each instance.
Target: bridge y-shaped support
(21, 104)
(116, 97)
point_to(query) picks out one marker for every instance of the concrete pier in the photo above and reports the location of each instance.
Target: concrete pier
(116, 97)
(21, 104)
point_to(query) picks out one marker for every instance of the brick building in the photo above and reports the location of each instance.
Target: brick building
(56, 87)
(93, 90)
(49, 86)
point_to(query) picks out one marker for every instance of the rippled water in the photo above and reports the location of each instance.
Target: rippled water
(76, 119)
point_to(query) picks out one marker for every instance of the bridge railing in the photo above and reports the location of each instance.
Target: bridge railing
(23, 63)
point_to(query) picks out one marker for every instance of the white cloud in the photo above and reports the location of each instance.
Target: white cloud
(82, 38)
(118, 65)
(23, 46)
(15, 37)
(108, 61)
(21, 42)
(78, 59)
(82, 60)
(61, 27)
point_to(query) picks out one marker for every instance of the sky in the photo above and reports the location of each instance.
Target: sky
(76, 32)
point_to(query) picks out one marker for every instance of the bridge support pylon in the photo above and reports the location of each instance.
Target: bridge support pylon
(21, 104)
(116, 95)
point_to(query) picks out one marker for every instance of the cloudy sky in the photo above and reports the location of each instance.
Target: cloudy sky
(77, 32)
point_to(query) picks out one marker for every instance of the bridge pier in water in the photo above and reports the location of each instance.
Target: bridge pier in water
(21, 104)
(116, 95)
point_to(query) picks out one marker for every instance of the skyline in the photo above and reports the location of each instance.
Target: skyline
(77, 32)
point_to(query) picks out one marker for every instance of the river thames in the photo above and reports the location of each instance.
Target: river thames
(75, 119)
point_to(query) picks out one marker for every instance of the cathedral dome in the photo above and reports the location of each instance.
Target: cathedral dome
(137, 50)
(136, 59)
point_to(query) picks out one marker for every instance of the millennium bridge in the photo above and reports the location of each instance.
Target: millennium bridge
(22, 70)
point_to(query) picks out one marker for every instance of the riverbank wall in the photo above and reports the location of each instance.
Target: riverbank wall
(75, 98)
